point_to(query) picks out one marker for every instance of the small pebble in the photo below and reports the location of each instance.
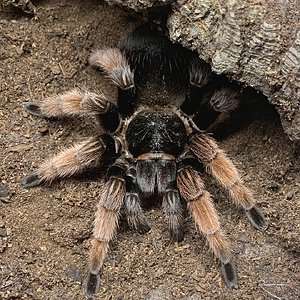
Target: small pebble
(55, 70)
(74, 274)
(120, 297)
(4, 191)
(2, 232)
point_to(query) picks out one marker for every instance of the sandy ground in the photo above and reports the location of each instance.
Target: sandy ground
(45, 232)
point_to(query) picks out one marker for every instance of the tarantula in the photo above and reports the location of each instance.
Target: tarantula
(155, 145)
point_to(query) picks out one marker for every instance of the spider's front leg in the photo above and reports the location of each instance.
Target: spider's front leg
(222, 168)
(209, 100)
(105, 225)
(71, 161)
(116, 67)
(75, 103)
(192, 189)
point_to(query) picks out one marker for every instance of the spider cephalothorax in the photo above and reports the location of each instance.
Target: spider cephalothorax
(153, 146)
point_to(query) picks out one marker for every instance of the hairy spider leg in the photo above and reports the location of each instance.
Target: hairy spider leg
(75, 103)
(154, 57)
(223, 170)
(210, 110)
(174, 212)
(171, 201)
(200, 72)
(105, 225)
(115, 65)
(71, 161)
(134, 213)
(192, 189)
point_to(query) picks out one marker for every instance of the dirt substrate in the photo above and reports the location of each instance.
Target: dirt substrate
(45, 232)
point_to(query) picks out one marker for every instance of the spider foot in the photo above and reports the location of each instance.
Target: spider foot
(225, 100)
(256, 217)
(31, 180)
(115, 65)
(34, 108)
(229, 274)
(200, 72)
(177, 235)
(91, 285)
(143, 227)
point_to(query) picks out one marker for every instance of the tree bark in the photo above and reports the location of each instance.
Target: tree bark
(255, 42)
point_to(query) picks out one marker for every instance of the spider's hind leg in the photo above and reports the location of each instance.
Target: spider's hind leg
(192, 189)
(224, 171)
(105, 225)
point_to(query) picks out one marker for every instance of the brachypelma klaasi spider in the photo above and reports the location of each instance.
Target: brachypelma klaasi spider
(155, 144)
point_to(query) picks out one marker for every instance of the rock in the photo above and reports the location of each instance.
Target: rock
(74, 274)
(55, 70)
(2, 232)
(254, 42)
(4, 191)
(160, 293)
(3, 244)
(24, 5)
(139, 5)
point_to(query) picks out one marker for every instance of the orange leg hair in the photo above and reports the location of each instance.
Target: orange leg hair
(115, 66)
(192, 189)
(68, 162)
(105, 226)
(224, 171)
(72, 103)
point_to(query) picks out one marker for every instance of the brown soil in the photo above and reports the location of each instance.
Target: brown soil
(45, 232)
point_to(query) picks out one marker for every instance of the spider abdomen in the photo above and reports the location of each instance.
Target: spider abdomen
(154, 57)
(156, 131)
